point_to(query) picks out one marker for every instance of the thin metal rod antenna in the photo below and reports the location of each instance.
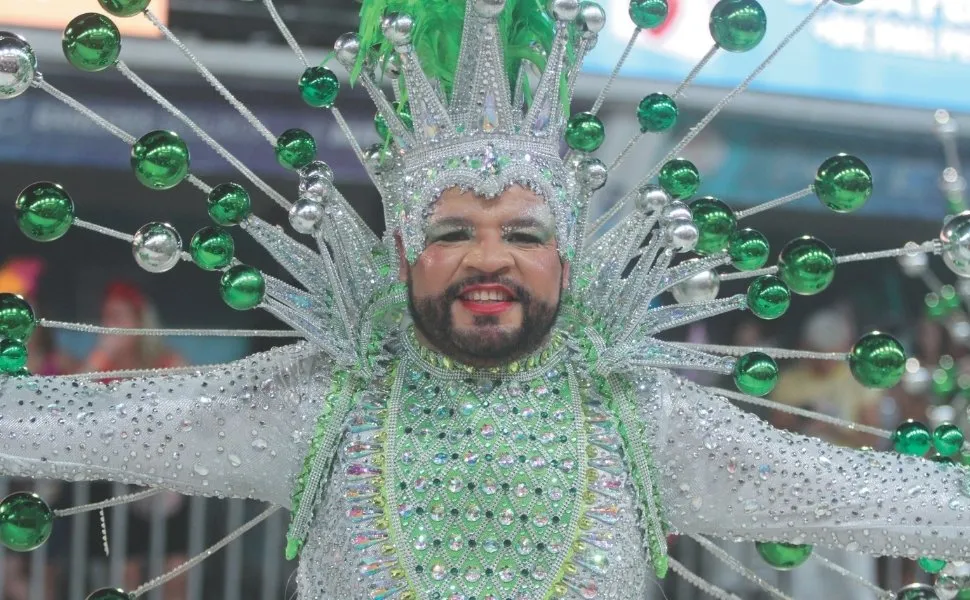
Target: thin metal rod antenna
(739, 568)
(213, 81)
(948, 139)
(779, 353)
(345, 128)
(119, 235)
(703, 123)
(616, 71)
(86, 328)
(775, 203)
(285, 32)
(192, 562)
(837, 568)
(699, 582)
(126, 499)
(205, 137)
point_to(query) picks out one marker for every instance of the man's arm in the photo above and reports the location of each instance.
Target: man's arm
(239, 430)
(726, 473)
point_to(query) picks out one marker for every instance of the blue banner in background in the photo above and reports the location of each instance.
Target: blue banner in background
(911, 53)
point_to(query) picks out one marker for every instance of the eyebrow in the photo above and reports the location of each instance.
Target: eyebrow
(516, 223)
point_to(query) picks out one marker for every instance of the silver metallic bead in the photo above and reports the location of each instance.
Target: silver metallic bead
(489, 8)
(157, 247)
(377, 158)
(318, 189)
(675, 210)
(681, 234)
(951, 182)
(916, 591)
(651, 198)
(17, 65)
(702, 287)
(945, 125)
(317, 168)
(916, 379)
(564, 10)
(592, 17)
(592, 173)
(957, 568)
(397, 28)
(347, 47)
(913, 263)
(392, 67)
(947, 587)
(956, 243)
(959, 330)
(306, 214)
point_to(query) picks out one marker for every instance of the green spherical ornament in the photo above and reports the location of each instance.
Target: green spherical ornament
(403, 113)
(585, 132)
(229, 204)
(295, 149)
(17, 319)
(843, 183)
(807, 265)
(212, 248)
(657, 112)
(25, 521)
(949, 298)
(13, 356)
(44, 211)
(242, 287)
(931, 565)
(912, 437)
(768, 297)
(943, 383)
(108, 594)
(319, 87)
(680, 178)
(160, 160)
(935, 308)
(715, 223)
(647, 14)
(91, 42)
(756, 373)
(738, 25)
(877, 360)
(947, 439)
(748, 249)
(124, 8)
(783, 556)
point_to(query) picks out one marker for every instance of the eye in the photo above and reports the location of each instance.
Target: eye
(459, 235)
(521, 237)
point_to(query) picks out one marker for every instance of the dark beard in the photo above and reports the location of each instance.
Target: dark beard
(432, 319)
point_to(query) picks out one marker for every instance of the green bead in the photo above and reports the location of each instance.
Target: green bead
(25, 521)
(949, 298)
(807, 265)
(17, 319)
(212, 248)
(843, 183)
(943, 383)
(783, 556)
(935, 308)
(13, 356)
(931, 565)
(738, 25)
(585, 132)
(319, 87)
(647, 14)
(91, 42)
(877, 360)
(108, 594)
(160, 160)
(947, 439)
(124, 8)
(715, 223)
(242, 287)
(680, 178)
(912, 437)
(295, 149)
(403, 113)
(229, 204)
(44, 211)
(657, 112)
(768, 297)
(748, 249)
(756, 373)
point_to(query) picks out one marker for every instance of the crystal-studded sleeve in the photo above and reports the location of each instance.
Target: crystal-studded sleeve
(236, 430)
(726, 473)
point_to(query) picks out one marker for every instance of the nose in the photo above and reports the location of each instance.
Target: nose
(489, 255)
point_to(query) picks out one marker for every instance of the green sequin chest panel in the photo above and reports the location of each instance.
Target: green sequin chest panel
(486, 479)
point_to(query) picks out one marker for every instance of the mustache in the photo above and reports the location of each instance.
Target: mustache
(453, 291)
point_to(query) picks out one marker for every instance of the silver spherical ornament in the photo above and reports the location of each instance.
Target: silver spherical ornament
(675, 210)
(392, 68)
(951, 182)
(916, 379)
(592, 173)
(958, 569)
(947, 587)
(959, 330)
(318, 189)
(956, 243)
(945, 125)
(592, 17)
(913, 263)
(489, 8)
(377, 158)
(157, 247)
(702, 287)
(681, 234)
(564, 10)
(346, 48)
(397, 28)
(317, 168)
(17, 65)
(306, 214)
(651, 198)
(916, 591)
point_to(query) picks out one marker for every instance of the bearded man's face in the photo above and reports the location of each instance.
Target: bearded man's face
(487, 287)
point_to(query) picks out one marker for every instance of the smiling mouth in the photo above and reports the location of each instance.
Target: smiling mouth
(487, 300)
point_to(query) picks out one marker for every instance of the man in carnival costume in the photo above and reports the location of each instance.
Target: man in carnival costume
(481, 407)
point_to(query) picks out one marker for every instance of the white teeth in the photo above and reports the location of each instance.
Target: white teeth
(486, 296)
